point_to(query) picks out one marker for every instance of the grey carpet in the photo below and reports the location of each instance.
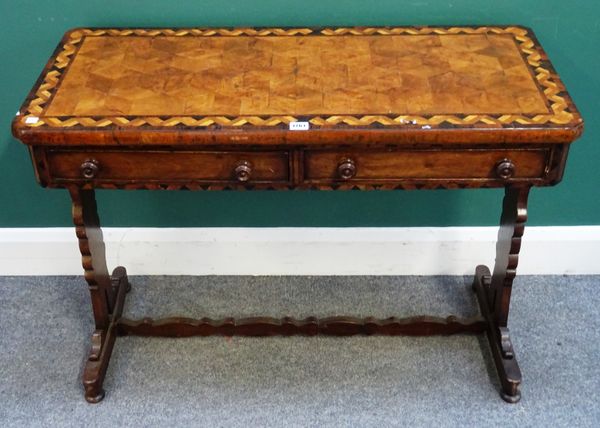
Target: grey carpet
(306, 382)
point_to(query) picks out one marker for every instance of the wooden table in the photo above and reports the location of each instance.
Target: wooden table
(298, 108)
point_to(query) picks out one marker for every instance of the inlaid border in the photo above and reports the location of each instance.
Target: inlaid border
(563, 112)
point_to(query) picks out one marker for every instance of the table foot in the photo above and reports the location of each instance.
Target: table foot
(118, 278)
(94, 395)
(103, 342)
(512, 399)
(499, 340)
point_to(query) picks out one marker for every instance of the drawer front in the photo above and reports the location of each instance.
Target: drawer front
(356, 166)
(213, 166)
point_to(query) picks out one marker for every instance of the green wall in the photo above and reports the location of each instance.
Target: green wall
(569, 31)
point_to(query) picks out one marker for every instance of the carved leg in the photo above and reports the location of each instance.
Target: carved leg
(107, 292)
(493, 291)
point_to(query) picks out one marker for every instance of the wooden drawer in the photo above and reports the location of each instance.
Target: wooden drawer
(205, 166)
(383, 165)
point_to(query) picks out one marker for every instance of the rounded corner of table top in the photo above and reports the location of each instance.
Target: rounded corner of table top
(560, 114)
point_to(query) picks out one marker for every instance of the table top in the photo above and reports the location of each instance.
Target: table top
(416, 84)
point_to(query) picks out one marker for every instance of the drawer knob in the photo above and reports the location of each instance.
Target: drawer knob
(89, 169)
(243, 171)
(346, 169)
(505, 169)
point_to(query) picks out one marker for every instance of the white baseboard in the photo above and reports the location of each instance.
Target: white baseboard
(301, 251)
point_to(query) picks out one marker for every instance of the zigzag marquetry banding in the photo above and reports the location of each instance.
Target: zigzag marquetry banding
(267, 326)
(547, 81)
(195, 186)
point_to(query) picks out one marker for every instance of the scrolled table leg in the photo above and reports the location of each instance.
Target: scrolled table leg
(107, 291)
(494, 290)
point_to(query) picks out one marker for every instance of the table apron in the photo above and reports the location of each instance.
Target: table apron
(299, 167)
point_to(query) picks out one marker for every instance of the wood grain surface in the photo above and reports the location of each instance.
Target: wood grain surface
(343, 78)
(319, 75)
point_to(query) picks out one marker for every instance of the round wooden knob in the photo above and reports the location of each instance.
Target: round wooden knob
(243, 170)
(89, 169)
(505, 169)
(346, 169)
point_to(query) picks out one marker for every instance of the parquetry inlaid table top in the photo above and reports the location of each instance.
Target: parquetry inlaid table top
(299, 108)
(397, 80)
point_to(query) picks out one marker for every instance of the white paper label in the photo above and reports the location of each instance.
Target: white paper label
(31, 120)
(299, 126)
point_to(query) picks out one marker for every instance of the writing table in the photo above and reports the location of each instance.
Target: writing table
(298, 108)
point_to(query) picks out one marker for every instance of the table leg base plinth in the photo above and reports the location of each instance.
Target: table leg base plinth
(103, 342)
(498, 336)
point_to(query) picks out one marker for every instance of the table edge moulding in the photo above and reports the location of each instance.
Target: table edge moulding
(295, 108)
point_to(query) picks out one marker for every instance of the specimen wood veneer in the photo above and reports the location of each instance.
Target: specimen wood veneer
(201, 86)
